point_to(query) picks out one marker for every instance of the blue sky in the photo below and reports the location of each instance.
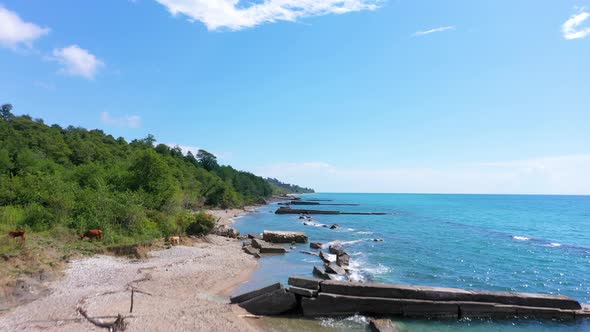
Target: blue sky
(353, 96)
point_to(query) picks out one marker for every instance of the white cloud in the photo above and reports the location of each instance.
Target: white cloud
(549, 175)
(14, 31)
(571, 28)
(129, 121)
(427, 32)
(240, 14)
(77, 61)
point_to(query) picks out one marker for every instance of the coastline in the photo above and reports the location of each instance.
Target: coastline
(185, 287)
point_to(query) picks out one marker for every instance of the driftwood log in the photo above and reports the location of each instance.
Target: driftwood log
(116, 326)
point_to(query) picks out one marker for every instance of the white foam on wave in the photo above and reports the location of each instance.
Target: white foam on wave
(365, 232)
(521, 238)
(341, 243)
(344, 324)
(361, 271)
(555, 244)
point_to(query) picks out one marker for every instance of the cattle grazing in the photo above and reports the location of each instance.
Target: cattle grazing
(174, 240)
(21, 233)
(92, 234)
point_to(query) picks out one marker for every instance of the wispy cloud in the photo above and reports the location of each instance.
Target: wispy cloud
(44, 85)
(435, 30)
(77, 61)
(15, 32)
(129, 121)
(571, 28)
(241, 14)
(548, 175)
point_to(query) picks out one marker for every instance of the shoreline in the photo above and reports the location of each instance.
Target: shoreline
(184, 287)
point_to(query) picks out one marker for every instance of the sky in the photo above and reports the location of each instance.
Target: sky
(407, 96)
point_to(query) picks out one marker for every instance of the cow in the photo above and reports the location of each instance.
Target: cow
(92, 234)
(174, 240)
(18, 233)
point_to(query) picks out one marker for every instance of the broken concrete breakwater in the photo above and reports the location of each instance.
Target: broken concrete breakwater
(315, 297)
(288, 210)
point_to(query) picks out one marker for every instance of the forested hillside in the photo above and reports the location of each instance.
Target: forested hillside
(76, 179)
(279, 188)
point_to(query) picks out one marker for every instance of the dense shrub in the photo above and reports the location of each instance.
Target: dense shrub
(203, 224)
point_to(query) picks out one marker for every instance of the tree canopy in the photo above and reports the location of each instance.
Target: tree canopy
(82, 179)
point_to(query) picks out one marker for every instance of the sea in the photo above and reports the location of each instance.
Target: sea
(521, 243)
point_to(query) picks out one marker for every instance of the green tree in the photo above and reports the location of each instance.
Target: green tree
(207, 160)
(6, 112)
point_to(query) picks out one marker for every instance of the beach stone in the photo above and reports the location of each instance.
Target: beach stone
(377, 240)
(315, 245)
(320, 272)
(327, 258)
(335, 226)
(305, 282)
(252, 251)
(255, 236)
(343, 260)
(284, 237)
(227, 232)
(334, 268)
(303, 291)
(255, 293)
(272, 303)
(382, 325)
(336, 250)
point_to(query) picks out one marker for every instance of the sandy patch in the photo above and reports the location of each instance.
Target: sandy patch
(184, 288)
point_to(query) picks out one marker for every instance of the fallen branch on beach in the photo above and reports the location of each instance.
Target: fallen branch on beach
(117, 325)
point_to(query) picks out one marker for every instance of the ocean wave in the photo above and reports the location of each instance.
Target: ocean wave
(521, 238)
(340, 243)
(365, 232)
(361, 271)
(314, 224)
(337, 323)
(554, 244)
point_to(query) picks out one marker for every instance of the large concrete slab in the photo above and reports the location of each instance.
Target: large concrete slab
(255, 293)
(305, 282)
(284, 237)
(274, 303)
(303, 291)
(449, 294)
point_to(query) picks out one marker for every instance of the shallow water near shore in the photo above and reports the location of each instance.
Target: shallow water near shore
(490, 242)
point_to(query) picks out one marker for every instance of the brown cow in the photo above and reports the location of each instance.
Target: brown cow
(18, 233)
(92, 234)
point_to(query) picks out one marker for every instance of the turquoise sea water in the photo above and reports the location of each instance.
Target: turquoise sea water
(491, 242)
